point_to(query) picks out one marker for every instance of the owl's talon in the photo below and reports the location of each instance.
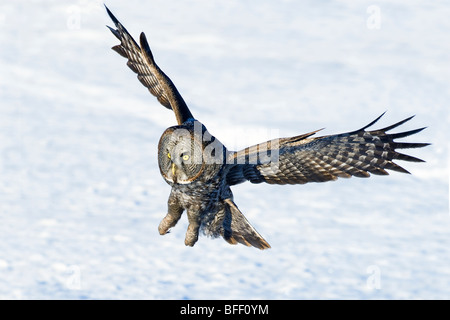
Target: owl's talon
(165, 225)
(191, 235)
(162, 231)
(190, 240)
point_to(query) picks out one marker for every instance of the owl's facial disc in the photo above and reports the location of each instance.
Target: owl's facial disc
(179, 156)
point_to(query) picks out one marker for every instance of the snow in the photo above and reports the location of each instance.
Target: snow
(80, 191)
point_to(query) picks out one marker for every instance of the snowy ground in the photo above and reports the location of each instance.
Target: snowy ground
(81, 195)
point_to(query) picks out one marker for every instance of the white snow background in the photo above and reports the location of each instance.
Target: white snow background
(81, 195)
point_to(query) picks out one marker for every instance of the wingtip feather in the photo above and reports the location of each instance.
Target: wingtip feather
(373, 122)
(405, 133)
(114, 32)
(145, 46)
(110, 14)
(397, 124)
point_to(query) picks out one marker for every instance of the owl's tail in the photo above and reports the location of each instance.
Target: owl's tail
(237, 229)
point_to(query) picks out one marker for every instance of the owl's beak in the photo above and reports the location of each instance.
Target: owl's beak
(173, 169)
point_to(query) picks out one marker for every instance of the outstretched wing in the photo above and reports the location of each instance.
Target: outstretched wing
(303, 159)
(140, 60)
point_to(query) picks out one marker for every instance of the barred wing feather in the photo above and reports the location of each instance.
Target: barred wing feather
(304, 159)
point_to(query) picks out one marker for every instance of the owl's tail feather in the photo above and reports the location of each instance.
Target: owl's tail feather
(237, 229)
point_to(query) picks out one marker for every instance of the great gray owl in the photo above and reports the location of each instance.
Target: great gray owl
(201, 170)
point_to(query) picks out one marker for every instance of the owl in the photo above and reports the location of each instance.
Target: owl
(201, 170)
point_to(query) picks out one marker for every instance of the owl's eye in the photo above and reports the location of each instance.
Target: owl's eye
(168, 155)
(186, 157)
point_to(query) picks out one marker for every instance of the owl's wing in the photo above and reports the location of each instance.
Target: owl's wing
(140, 60)
(302, 159)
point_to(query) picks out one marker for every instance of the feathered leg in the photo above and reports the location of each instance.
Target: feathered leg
(193, 228)
(173, 215)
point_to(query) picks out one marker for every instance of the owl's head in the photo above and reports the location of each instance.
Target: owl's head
(188, 151)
